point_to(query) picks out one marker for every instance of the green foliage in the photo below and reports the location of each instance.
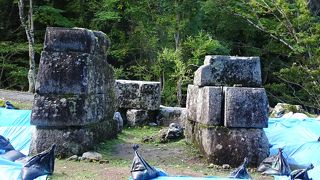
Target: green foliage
(166, 41)
(197, 47)
(14, 64)
(50, 16)
(294, 27)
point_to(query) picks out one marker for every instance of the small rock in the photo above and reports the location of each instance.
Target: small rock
(91, 156)
(147, 139)
(283, 108)
(117, 117)
(175, 131)
(103, 161)
(252, 170)
(225, 166)
(73, 158)
(210, 166)
(152, 124)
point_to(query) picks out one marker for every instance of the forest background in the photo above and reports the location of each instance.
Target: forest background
(166, 40)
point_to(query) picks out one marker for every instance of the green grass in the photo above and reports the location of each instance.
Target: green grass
(128, 136)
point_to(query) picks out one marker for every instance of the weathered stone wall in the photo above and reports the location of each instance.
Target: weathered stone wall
(75, 97)
(226, 122)
(138, 101)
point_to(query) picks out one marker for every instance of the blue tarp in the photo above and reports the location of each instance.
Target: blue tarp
(15, 125)
(299, 141)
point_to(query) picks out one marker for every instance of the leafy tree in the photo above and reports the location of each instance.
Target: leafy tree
(292, 25)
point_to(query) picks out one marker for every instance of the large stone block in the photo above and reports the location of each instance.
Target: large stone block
(229, 71)
(138, 94)
(138, 117)
(75, 40)
(150, 95)
(71, 110)
(68, 142)
(221, 145)
(192, 96)
(209, 106)
(71, 140)
(73, 73)
(168, 115)
(245, 107)
(204, 104)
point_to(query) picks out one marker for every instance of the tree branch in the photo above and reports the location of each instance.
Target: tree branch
(261, 28)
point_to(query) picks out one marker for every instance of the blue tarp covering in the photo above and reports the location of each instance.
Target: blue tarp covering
(299, 141)
(15, 125)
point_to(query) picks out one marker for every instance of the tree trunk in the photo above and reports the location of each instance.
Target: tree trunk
(29, 28)
(177, 33)
(179, 91)
(177, 28)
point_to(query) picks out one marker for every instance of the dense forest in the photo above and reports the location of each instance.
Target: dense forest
(166, 40)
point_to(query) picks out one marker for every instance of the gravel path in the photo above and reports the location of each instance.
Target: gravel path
(18, 96)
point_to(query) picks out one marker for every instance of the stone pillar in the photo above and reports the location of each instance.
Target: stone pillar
(75, 97)
(227, 109)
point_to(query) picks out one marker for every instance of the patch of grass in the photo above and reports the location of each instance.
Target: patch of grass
(135, 135)
(76, 170)
(127, 136)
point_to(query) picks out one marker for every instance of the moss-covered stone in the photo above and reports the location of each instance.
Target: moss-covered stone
(283, 108)
(72, 140)
(229, 71)
(222, 145)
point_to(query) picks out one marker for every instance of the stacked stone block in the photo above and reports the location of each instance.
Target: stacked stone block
(168, 115)
(227, 109)
(138, 101)
(75, 97)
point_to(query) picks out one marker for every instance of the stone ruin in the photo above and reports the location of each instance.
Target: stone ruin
(139, 104)
(138, 101)
(74, 101)
(227, 109)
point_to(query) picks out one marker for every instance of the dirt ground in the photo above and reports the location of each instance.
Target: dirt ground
(17, 96)
(175, 162)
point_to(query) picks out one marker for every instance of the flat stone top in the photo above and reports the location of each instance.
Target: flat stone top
(136, 82)
(172, 108)
(243, 88)
(209, 59)
(75, 40)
